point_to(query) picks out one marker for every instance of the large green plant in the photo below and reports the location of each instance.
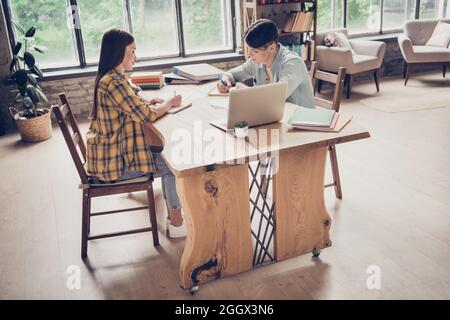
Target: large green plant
(24, 75)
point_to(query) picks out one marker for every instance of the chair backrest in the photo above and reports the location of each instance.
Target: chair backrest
(321, 35)
(420, 31)
(337, 79)
(74, 139)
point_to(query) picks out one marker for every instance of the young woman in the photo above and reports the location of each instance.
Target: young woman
(116, 148)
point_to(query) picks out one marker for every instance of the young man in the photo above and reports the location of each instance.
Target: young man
(271, 62)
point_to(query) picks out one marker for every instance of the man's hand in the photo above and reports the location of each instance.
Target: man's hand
(223, 85)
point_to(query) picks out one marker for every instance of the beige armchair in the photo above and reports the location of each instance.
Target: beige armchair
(363, 56)
(414, 49)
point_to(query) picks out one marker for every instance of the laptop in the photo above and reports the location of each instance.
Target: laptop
(257, 105)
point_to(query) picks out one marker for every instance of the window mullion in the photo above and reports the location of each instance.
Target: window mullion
(381, 16)
(127, 15)
(179, 18)
(344, 13)
(10, 26)
(416, 14)
(76, 24)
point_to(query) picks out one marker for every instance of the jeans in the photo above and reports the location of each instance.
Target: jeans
(167, 179)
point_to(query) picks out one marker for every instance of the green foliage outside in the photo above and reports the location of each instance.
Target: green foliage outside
(153, 23)
(202, 20)
(50, 18)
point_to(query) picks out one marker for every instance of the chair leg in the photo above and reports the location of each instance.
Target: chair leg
(335, 171)
(444, 68)
(375, 78)
(85, 221)
(349, 85)
(407, 72)
(404, 69)
(152, 213)
(319, 86)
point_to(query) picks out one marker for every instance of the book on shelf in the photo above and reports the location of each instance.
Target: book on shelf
(298, 21)
(198, 72)
(172, 78)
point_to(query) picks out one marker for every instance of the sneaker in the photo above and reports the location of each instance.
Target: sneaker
(175, 232)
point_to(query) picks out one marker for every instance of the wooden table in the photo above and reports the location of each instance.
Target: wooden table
(231, 220)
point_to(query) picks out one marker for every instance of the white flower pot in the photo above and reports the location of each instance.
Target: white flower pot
(241, 132)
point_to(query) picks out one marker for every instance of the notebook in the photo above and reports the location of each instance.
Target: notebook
(215, 92)
(179, 108)
(319, 117)
(342, 121)
(198, 72)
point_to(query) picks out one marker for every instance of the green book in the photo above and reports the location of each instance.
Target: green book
(312, 117)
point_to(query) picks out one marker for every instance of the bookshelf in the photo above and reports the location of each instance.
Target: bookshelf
(296, 20)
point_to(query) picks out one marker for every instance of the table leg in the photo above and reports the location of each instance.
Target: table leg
(217, 213)
(302, 221)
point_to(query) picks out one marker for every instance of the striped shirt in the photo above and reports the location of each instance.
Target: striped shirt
(115, 139)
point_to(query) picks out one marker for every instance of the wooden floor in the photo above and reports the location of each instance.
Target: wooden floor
(394, 215)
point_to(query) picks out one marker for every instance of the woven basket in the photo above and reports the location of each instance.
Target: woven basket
(34, 129)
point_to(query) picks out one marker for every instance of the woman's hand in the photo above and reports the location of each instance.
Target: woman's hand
(156, 101)
(175, 101)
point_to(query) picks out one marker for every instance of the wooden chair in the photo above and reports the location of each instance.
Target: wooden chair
(92, 189)
(338, 79)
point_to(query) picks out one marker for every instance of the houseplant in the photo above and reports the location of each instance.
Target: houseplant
(241, 129)
(29, 106)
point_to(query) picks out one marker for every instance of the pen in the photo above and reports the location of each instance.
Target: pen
(223, 82)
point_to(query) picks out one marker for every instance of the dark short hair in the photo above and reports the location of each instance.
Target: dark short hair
(261, 33)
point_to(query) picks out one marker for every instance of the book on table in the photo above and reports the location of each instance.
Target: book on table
(147, 79)
(317, 119)
(172, 78)
(198, 72)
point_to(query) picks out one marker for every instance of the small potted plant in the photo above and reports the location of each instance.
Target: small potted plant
(29, 106)
(241, 129)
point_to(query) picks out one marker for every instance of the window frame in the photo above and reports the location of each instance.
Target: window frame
(381, 30)
(79, 44)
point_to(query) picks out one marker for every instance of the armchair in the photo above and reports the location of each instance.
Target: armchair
(414, 49)
(363, 56)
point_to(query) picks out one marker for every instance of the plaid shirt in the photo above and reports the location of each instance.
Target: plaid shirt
(115, 139)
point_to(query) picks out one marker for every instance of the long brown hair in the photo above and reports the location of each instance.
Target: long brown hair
(112, 52)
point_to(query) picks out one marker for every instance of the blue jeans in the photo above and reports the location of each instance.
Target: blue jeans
(167, 179)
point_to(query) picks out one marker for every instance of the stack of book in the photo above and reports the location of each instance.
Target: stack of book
(198, 72)
(147, 79)
(299, 21)
(317, 119)
(172, 78)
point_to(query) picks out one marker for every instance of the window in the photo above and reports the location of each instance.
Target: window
(152, 40)
(72, 29)
(431, 9)
(377, 16)
(206, 24)
(363, 15)
(395, 12)
(329, 14)
(51, 21)
(95, 18)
